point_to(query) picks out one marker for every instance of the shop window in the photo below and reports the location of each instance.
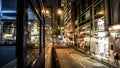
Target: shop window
(83, 17)
(99, 7)
(87, 14)
(82, 5)
(89, 2)
(119, 13)
(95, 25)
(102, 5)
(80, 20)
(91, 26)
(9, 31)
(90, 12)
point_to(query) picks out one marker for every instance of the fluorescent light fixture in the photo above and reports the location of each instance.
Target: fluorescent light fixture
(8, 11)
(115, 27)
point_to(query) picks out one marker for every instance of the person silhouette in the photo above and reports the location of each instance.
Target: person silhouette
(116, 57)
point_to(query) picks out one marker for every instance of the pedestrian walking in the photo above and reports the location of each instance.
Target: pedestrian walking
(116, 57)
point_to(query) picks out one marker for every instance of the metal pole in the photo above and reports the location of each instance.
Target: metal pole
(1, 24)
(90, 36)
(43, 33)
(52, 28)
(93, 24)
(107, 20)
(21, 37)
(40, 45)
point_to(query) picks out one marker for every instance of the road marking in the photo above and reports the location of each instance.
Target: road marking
(77, 61)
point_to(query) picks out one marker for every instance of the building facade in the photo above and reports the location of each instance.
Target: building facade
(114, 28)
(21, 29)
(86, 23)
(94, 27)
(68, 18)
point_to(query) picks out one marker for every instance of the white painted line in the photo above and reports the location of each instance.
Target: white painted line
(77, 61)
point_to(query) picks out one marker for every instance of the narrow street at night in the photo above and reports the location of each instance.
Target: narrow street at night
(59, 33)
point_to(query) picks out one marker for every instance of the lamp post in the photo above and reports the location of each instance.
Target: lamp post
(59, 12)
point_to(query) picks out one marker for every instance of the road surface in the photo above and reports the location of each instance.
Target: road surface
(70, 58)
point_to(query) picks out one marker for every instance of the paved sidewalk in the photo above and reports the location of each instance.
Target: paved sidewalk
(48, 55)
(105, 60)
(109, 62)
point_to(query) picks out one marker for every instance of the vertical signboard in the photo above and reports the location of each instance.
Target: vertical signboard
(101, 24)
(102, 39)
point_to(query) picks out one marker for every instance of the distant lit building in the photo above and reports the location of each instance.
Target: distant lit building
(68, 18)
(20, 31)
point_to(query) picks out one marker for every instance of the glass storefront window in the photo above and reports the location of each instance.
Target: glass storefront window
(87, 14)
(99, 7)
(9, 31)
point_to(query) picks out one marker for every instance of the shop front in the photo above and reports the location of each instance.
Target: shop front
(114, 39)
(93, 44)
(117, 43)
(103, 39)
(84, 38)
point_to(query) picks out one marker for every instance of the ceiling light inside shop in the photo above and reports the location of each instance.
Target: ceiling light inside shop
(8, 11)
(101, 12)
(115, 27)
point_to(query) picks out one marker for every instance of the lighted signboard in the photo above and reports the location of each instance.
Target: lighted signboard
(102, 34)
(102, 39)
(101, 26)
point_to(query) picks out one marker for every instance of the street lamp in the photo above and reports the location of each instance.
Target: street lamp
(59, 11)
(47, 12)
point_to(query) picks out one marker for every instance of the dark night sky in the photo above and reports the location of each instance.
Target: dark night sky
(54, 5)
(52, 2)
